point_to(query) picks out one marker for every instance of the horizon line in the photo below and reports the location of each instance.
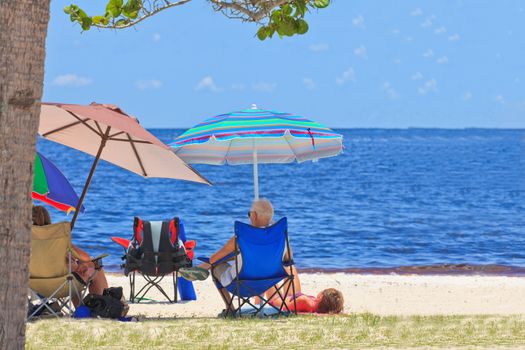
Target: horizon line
(389, 128)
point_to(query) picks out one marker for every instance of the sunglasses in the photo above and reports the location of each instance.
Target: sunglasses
(250, 213)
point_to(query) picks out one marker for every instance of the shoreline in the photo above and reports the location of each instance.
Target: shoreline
(428, 270)
(385, 295)
(421, 270)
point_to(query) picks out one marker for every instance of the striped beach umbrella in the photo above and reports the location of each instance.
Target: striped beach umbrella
(51, 186)
(255, 136)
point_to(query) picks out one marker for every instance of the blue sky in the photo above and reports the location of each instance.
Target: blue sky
(364, 63)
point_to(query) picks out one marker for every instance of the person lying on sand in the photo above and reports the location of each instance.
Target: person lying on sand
(328, 301)
(85, 270)
(261, 215)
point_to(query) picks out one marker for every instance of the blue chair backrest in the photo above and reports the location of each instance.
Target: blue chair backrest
(261, 250)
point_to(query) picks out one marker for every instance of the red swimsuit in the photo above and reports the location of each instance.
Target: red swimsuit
(305, 303)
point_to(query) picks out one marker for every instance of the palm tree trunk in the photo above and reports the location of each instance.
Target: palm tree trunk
(23, 29)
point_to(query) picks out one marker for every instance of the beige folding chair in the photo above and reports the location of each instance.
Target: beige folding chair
(51, 278)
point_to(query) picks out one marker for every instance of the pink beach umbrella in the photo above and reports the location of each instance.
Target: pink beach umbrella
(106, 132)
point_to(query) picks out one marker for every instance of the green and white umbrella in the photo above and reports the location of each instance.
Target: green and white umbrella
(255, 136)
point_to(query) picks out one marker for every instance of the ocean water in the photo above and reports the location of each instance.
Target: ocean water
(406, 197)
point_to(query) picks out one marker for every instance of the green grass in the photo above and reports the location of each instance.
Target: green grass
(348, 331)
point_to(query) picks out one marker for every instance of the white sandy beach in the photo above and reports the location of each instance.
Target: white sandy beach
(377, 294)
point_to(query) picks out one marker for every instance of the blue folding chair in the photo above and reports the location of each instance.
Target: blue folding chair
(259, 265)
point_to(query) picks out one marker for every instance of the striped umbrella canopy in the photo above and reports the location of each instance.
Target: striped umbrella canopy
(255, 136)
(52, 187)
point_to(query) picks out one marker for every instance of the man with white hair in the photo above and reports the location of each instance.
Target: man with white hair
(261, 215)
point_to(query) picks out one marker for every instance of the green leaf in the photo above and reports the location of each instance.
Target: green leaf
(301, 26)
(132, 8)
(321, 4)
(85, 23)
(121, 22)
(130, 14)
(270, 31)
(276, 16)
(106, 18)
(98, 19)
(261, 33)
(300, 9)
(287, 27)
(287, 10)
(74, 12)
(114, 8)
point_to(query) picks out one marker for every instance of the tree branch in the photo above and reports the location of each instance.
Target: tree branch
(153, 9)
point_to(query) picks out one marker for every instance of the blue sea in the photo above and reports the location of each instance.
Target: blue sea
(395, 197)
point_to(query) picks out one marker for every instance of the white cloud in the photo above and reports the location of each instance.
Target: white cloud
(156, 37)
(359, 22)
(207, 83)
(499, 99)
(467, 96)
(454, 37)
(347, 75)
(361, 52)
(309, 83)
(71, 80)
(396, 31)
(428, 22)
(238, 86)
(408, 38)
(417, 76)
(440, 30)
(429, 86)
(148, 84)
(319, 47)
(264, 86)
(390, 91)
(429, 53)
(416, 12)
(442, 60)
(397, 61)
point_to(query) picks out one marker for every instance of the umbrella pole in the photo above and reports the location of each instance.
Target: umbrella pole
(91, 172)
(255, 175)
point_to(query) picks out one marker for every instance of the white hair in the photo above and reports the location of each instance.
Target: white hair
(263, 208)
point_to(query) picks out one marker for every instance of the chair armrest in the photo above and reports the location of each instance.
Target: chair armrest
(94, 260)
(288, 263)
(97, 261)
(227, 257)
(100, 257)
(190, 244)
(121, 241)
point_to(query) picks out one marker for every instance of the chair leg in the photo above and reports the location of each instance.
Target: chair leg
(44, 301)
(70, 282)
(229, 307)
(175, 285)
(153, 282)
(294, 297)
(132, 287)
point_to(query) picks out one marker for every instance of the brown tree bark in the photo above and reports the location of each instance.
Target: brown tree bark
(23, 29)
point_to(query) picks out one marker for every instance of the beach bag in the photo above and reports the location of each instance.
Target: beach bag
(107, 305)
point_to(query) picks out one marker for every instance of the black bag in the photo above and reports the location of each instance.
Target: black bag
(107, 305)
(115, 292)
